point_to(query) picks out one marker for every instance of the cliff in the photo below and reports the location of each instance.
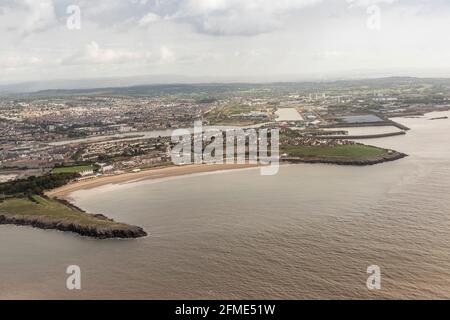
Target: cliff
(95, 231)
(40, 212)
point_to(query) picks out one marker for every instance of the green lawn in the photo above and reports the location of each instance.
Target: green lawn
(74, 169)
(353, 152)
(50, 209)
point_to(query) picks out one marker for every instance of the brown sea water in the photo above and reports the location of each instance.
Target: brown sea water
(309, 232)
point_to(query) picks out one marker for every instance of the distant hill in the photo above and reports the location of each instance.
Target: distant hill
(223, 88)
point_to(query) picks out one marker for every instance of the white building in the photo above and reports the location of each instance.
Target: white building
(86, 173)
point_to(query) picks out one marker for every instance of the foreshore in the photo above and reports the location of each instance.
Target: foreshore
(157, 173)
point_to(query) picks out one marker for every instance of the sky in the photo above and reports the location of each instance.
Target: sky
(235, 40)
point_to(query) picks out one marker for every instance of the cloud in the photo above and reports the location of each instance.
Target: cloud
(149, 18)
(40, 16)
(17, 62)
(333, 54)
(94, 54)
(26, 17)
(367, 3)
(237, 17)
(229, 38)
(197, 7)
(167, 55)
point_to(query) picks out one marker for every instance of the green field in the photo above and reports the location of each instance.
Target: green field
(51, 209)
(74, 169)
(347, 152)
(221, 115)
(226, 111)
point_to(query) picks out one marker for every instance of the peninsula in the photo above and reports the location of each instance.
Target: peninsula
(297, 147)
(44, 213)
(25, 204)
(351, 154)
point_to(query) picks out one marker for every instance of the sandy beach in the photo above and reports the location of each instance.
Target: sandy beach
(156, 173)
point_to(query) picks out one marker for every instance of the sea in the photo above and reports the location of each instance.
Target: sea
(309, 232)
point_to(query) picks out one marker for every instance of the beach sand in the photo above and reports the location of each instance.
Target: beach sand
(156, 173)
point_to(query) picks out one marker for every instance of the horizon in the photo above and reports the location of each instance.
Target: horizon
(111, 83)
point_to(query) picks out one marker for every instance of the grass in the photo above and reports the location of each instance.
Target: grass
(74, 169)
(230, 110)
(347, 152)
(234, 122)
(221, 115)
(41, 206)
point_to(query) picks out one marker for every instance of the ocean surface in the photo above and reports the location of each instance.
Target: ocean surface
(309, 232)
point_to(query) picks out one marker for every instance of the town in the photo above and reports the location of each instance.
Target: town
(111, 131)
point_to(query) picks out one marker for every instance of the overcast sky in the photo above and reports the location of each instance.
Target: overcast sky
(224, 39)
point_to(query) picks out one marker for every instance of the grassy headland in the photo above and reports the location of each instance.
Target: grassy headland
(296, 147)
(24, 203)
(40, 212)
(349, 154)
(352, 151)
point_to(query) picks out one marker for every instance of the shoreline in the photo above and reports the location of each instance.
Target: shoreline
(348, 162)
(125, 231)
(63, 193)
(57, 214)
(150, 174)
(93, 225)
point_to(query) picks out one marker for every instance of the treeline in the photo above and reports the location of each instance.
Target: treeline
(36, 185)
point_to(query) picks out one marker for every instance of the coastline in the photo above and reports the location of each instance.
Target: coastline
(63, 193)
(44, 213)
(39, 211)
(102, 227)
(116, 231)
(348, 162)
(155, 173)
